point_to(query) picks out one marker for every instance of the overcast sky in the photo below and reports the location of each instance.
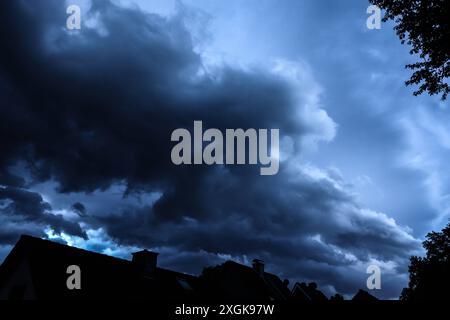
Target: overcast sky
(87, 116)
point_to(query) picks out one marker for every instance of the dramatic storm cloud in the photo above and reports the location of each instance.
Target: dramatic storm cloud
(85, 151)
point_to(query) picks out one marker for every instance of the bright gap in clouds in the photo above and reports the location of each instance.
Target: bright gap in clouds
(161, 7)
(340, 132)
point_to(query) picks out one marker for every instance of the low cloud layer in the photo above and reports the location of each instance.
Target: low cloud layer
(91, 111)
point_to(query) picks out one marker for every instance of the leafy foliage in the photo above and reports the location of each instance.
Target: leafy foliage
(424, 25)
(429, 276)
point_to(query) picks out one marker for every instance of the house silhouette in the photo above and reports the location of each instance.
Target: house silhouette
(307, 292)
(38, 269)
(233, 281)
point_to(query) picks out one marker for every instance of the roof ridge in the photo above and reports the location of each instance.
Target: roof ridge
(251, 268)
(26, 237)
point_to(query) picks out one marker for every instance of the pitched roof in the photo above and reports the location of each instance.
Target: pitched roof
(362, 295)
(234, 281)
(42, 266)
(307, 292)
(102, 276)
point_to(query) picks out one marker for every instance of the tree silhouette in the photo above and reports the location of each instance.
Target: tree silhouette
(424, 25)
(429, 276)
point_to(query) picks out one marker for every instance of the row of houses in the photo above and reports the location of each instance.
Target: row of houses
(37, 269)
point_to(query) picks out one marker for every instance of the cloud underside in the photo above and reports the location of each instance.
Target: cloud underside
(93, 109)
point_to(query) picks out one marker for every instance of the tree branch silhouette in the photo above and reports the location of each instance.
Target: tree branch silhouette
(424, 25)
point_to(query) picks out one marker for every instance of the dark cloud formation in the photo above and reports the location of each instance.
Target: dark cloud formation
(93, 108)
(79, 209)
(25, 212)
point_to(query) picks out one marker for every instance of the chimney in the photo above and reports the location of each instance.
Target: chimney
(258, 266)
(145, 261)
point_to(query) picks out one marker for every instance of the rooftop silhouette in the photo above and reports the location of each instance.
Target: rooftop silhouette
(37, 269)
